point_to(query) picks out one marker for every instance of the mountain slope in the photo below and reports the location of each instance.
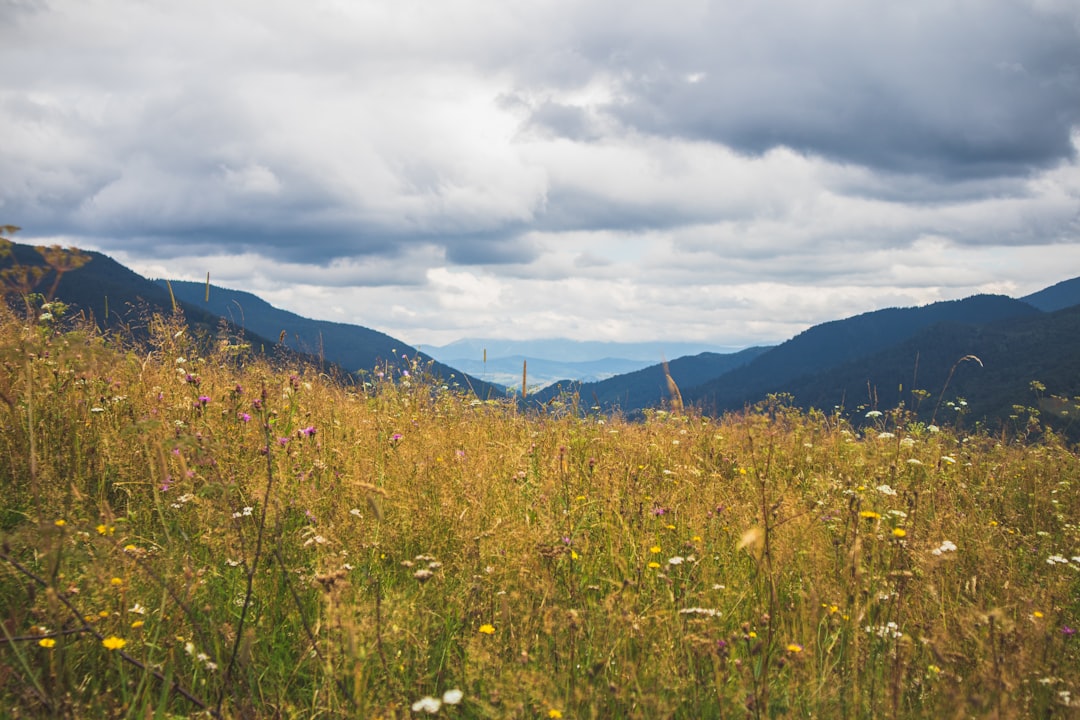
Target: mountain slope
(835, 343)
(648, 387)
(353, 347)
(1056, 297)
(1012, 353)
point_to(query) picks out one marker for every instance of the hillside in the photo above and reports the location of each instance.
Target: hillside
(648, 387)
(352, 347)
(839, 342)
(1013, 353)
(1056, 297)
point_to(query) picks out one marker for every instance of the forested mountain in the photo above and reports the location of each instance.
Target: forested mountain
(648, 387)
(836, 343)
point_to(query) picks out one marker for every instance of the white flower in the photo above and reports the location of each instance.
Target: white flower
(137, 609)
(452, 697)
(885, 490)
(356, 512)
(885, 436)
(946, 546)
(427, 704)
(913, 461)
(948, 459)
(711, 612)
(933, 428)
(677, 560)
(1056, 559)
(874, 414)
(908, 442)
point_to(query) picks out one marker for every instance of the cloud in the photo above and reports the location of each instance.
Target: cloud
(720, 171)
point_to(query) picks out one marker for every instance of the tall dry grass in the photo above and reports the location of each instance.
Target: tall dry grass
(190, 529)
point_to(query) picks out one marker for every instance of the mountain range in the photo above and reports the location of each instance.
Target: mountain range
(993, 352)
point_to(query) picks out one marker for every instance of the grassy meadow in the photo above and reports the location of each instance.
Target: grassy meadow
(191, 530)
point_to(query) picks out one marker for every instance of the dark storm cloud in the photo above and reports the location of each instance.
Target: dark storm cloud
(945, 89)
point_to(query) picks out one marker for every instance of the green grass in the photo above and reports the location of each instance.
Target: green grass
(268, 541)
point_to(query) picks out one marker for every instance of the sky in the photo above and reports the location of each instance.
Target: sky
(724, 172)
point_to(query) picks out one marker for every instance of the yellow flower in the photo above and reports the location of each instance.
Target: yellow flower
(574, 555)
(752, 634)
(993, 523)
(742, 471)
(1036, 614)
(655, 549)
(869, 515)
(934, 669)
(103, 614)
(654, 564)
(104, 529)
(47, 642)
(60, 523)
(696, 538)
(899, 532)
(113, 643)
(116, 582)
(794, 648)
(487, 629)
(137, 624)
(553, 713)
(670, 527)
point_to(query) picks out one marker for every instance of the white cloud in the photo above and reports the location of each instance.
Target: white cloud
(725, 172)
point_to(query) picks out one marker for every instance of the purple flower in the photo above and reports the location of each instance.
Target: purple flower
(308, 431)
(244, 417)
(395, 437)
(203, 399)
(283, 441)
(192, 379)
(659, 510)
(1068, 631)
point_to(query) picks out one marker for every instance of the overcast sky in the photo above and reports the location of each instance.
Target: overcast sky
(728, 172)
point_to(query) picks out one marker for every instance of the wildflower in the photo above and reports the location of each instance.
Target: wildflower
(487, 629)
(1068, 631)
(554, 714)
(47, 642)
(356, 512)
(1056, 559)
(677, 560)
(308, 431)
(873, 414)
(710, 612)
(907, 442)
(60, 523)
(794, 648)
(933, 669)
(116, 582)
(933, 428)
(948, 459)
(427, 704)
(886, 436)
(137, 609)
(137, 624)
(914, 461)
(654, 564)
(574, 555)
(452, 697)
(869, 515)
(113, 643)
(655, 549)
(204, 399)
(243, 417)
(105, 529)
(899, 532)
(1036, 614)
(423, 575)
(946, 546)
(395, 437)
(885, 490)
